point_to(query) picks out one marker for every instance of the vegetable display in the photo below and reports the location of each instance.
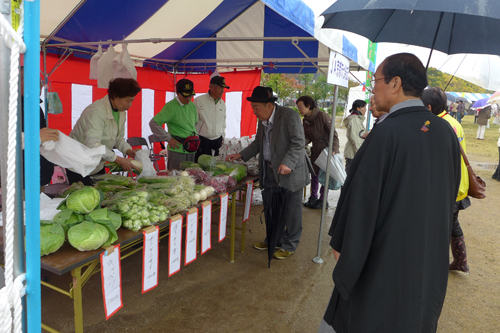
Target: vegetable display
(67, 218)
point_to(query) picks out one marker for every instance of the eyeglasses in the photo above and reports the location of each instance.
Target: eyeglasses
(374, 81)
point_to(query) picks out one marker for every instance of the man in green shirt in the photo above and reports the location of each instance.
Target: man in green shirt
(181, 117)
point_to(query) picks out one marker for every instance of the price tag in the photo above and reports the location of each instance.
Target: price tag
(150, 255)
(248, 201)
(174, 245)
(223, 216)
(206, 227)
(191, 235)
(111, 277)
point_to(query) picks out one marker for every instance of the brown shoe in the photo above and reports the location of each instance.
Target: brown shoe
(260, 246)
(459, 253)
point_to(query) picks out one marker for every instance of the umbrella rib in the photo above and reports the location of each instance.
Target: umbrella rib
(451, 33)
(380, 30)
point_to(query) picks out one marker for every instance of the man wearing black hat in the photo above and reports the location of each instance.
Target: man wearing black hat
(282, 161)
(211, 117)
(181, 117)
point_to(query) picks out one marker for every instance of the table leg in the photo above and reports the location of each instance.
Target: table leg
(77, 299)
(243, 239)
(233, 225)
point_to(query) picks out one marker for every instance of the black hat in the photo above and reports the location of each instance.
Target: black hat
(220, 81)
(185, 87)
(262, 94)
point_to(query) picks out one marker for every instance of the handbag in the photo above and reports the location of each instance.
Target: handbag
(190, 144)
(477, 186)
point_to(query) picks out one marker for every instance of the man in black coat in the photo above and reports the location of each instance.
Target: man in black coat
(392, 227)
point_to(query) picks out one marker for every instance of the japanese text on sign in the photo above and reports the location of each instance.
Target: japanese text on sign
(206, 227)
(338, 69)
(223, 216)
(150, 260)
(175, 243)
(191, 235)
(111, 281)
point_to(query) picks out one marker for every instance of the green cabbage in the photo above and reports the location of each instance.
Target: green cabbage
(237, 171)
(105, 214)
(83, 201)
(51, 237)
(67, 218)
(207, 162)
(88, 236)
(185, 164)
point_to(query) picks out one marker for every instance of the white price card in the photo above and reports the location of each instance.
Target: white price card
(223, 216)
(206, 226)
(191, 235)
(111, 277)
(175, 243)
(150, 255)
(248, 201)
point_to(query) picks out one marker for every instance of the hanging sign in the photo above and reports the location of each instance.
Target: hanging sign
(111, 277)
(175, 243)
(206, 226)
(248, 201)
(150, 255)
(223, 216)
(191, 235)
(338, 69)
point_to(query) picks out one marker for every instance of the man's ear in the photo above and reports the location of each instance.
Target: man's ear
(395, 84)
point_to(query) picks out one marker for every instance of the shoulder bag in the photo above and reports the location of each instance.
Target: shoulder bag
(477, 186)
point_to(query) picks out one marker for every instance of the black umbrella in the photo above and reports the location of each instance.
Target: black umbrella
(276, 200)
(450, 26)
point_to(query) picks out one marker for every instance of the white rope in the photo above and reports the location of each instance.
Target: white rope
(14, 290)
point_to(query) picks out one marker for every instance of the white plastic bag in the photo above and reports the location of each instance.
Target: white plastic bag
(148, 170)
(72, 154)
(123, 67)
(337, 170)
(105, 68)
(94, 72)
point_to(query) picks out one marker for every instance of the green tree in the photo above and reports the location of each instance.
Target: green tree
(439, 79)
(284, 85)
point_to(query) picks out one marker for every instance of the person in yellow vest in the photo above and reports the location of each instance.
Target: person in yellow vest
(435, 100)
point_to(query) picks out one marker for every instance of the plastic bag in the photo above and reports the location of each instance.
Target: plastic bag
(123, 67)
(332, 183)
(72, 154)
(54, 103)
(147, 166)
(94, 72)
(337, 170)
(105, 68)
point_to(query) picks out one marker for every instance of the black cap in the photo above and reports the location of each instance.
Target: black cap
(185, 87)
(262, 94)
(220, 81)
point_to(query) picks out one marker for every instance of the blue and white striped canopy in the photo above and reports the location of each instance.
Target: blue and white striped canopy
(172, 34)
(472, 97)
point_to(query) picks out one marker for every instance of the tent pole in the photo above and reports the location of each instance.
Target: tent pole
(318, 259)
(32, 158)
(295, 42)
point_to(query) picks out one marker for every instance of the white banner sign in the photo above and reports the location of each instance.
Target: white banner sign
(206, 227)
(150, 254)
(191, 235)
(111, 277)
(338, 69)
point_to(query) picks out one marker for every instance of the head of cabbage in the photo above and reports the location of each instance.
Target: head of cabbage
(83, 201)
(67, 218)
(88, 236)
(51, 237)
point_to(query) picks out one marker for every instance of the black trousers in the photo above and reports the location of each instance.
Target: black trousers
(207, 145)
(74, 177)
(496, 175)
(456, 230)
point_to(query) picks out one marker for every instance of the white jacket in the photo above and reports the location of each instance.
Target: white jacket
(211, 117)
(97, 126)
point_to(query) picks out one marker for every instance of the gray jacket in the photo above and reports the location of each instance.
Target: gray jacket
(287, 147)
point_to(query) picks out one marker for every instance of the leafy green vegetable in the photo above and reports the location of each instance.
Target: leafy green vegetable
(237, 171)
(113, 236)
(185, 164)
(83, 201)
(68, 190)
(88, 236)
(51, 237)
(67, 218)
(110, 179)
(207, 162)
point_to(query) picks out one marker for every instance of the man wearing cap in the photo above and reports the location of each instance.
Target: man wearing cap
(181, 117)
(282, 161)
(211, 124)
